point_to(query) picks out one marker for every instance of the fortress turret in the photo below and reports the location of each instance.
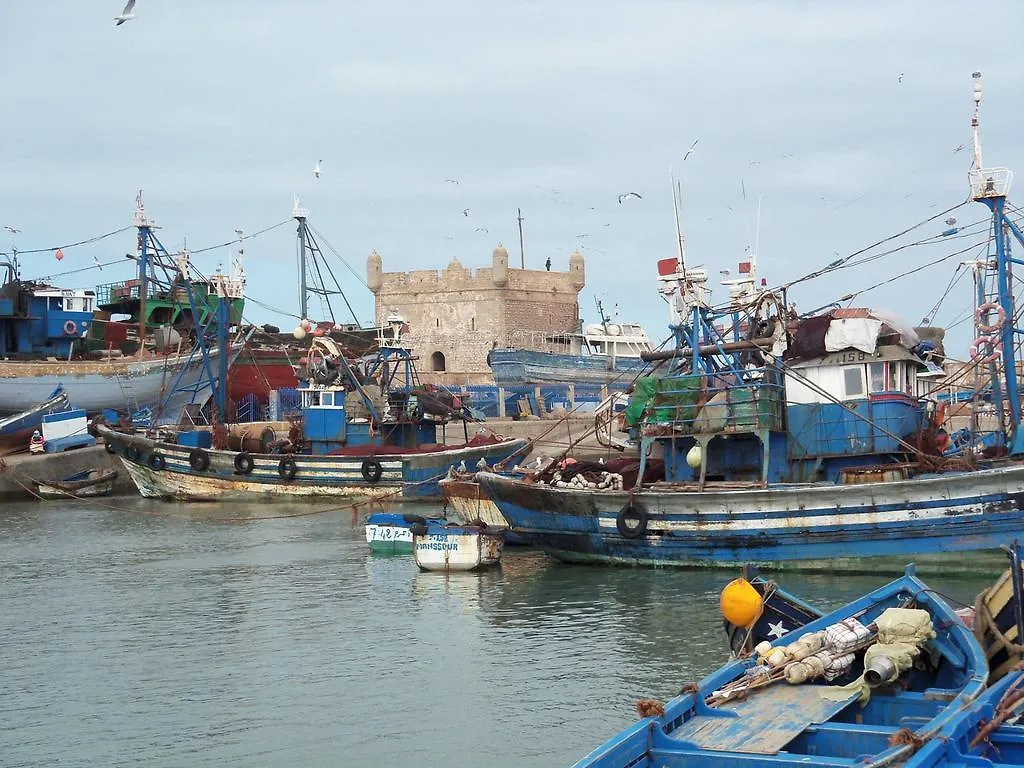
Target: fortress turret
(374, 271)
(577, 271)
(499, 266)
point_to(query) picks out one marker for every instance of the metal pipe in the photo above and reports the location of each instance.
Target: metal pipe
(704, 349)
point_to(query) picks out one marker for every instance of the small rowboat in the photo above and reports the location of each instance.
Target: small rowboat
(456, 547)
(86, 484)
(886, 679)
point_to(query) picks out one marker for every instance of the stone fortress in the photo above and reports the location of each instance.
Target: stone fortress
(457, 314)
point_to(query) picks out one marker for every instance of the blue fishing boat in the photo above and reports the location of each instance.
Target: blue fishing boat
(803, 441)
(16, 431)
(602, 354)
(885, 679)
(374, 433)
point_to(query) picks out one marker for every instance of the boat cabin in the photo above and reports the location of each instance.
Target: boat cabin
(39, 321)
(603, 340)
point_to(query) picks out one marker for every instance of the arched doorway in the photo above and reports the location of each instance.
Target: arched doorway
(437, 361)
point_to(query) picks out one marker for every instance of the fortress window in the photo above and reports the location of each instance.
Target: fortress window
(437, 361)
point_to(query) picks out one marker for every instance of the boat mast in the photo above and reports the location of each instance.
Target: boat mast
(300, 214)
(991, 186)
(145, 227)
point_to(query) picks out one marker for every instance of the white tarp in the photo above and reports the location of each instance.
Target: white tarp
(908, 336)
(852, 333)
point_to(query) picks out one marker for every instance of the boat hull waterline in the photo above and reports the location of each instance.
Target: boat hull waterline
(410, 475)
(821, 523)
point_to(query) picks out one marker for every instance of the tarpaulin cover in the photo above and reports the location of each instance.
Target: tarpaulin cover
(809, 339)
(671, 399)
(854, 333)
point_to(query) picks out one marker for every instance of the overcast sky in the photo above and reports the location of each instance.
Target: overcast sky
(219, 111)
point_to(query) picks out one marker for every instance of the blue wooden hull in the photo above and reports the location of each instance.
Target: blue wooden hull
(784, 725)
(792, 523)
(524, 366)
(410, 475)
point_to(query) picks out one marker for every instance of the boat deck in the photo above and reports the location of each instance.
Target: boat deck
(763, 723)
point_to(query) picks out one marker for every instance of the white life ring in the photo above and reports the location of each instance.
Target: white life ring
(986, 349)
(983, 310)
(70, 329)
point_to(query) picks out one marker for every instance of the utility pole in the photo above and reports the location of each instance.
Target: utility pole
(522, 258)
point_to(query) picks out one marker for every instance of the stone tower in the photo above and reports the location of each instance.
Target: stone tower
(457, 315)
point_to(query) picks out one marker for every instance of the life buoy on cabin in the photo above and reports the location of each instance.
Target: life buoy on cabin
(631, 522)
(371, 470)
(243, 463)
(157, 462)
(199, 460)
(986, 349)
(983, 310)
(70, 329)
(287, 468)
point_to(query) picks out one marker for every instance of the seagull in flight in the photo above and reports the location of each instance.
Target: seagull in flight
(451, 181)
(958, 149)
(97, 260)
(316, 169)
(690, 149)
(12, 230)
(465, 212)
(126, 14)
(628, 195)
(482, 229)
(900, 78)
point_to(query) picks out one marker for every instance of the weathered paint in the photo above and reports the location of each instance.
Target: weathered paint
(457, 549)
(95, 385)
(524, 366)
(415, 475)
(942, 513)
(468, 504)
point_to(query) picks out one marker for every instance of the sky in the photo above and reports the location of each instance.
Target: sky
(841, 118)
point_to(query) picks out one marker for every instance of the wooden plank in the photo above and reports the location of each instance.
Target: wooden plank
(766, 721)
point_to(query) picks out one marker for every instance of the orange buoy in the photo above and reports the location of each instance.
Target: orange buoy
(741, 604)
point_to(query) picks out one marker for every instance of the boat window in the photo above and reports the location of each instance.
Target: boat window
(326, 398)
(908, 386)
(894, 373)
(877, 371)
(853, 380)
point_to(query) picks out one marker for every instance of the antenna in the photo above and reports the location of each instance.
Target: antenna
(677, 194)
(519, 218)
(974, 120)
(757, 238)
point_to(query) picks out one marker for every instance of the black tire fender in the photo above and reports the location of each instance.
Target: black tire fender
(110, 448)
(287, 468)
(418, 529)
(131, 453)
(243, 463)
(632, 511)
(371, 470)
(199, 460)
(157, 462)
(415, 519)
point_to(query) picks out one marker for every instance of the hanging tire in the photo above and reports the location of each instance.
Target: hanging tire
(131, 453)
(110, 448)
(286, 468)
(418, 529)
(199, 460)
(157, 462)
(243, 463)
(415, 519)
(372, 470)
(631, 521)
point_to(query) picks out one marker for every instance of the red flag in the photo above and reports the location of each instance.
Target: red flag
(744, 267)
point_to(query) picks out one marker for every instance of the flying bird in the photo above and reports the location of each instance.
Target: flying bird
(126, 14)
(958, 149)
(97, 260)
(316, 169)
(451, 181)
(900, 78)
(465, 211)
(12, 230)
(583, 235)
(690, 149)
(752, 163)
(481, 229)
(628, 195)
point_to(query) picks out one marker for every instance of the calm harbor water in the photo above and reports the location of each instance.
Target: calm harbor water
(146, 632)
